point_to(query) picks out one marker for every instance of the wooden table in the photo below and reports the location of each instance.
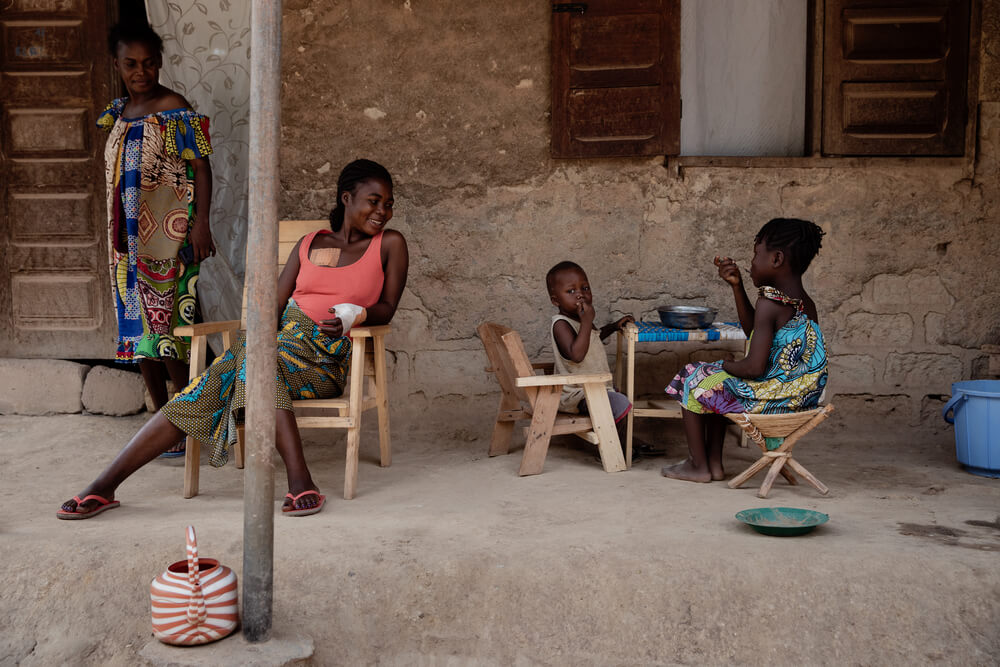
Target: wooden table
(652, 332)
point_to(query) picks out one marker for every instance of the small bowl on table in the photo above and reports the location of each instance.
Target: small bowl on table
(686, 317)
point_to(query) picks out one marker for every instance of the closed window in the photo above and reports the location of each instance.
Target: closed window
(764, 78)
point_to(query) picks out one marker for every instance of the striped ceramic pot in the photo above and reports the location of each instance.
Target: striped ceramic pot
(195, 600)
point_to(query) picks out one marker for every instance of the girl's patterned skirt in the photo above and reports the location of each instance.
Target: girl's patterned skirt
(310, 365)
(794, 379)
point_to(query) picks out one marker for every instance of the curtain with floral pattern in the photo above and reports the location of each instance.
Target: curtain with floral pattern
(206, 58)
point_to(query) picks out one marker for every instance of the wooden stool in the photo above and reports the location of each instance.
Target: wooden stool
(791, 426)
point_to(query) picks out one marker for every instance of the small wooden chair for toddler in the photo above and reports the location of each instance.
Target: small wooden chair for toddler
(791, 426)
(367, 361)
(536, 397)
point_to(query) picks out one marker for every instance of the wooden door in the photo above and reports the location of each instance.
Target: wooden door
(895, 75)
(56, 77)
(616, 78)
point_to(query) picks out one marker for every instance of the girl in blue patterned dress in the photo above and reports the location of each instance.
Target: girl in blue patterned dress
(785, 368)
(159, 190)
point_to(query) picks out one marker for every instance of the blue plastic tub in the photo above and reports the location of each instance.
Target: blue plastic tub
(976, 408)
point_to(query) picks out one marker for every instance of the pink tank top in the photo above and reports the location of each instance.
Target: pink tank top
(318, 288)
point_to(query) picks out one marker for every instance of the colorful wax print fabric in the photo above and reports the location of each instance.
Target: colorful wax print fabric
(150, 190)
(794, 380)
(310, 365)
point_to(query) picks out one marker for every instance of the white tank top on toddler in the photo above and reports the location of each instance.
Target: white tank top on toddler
(595, 361)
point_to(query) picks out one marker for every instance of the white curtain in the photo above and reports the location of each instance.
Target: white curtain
(206, 58)
(743, 77)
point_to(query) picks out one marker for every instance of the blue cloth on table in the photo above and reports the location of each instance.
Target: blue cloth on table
(654, 331)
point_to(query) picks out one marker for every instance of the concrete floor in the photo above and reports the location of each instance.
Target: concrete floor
(449, 558)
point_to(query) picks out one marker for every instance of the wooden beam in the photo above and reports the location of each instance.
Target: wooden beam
(262, 248)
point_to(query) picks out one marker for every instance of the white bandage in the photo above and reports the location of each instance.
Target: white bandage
(348, 313)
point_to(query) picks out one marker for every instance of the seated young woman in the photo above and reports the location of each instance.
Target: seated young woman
(358, 261)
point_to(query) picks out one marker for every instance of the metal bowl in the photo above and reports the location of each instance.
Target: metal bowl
(782, 521)
(686, 317)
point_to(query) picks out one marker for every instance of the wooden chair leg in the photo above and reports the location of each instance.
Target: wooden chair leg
(382, 402)
(503, 433)
(192, 460)
(192, 448)
(351, 464)
(809, 477)
(357, 376)
(772, 475)
(619, 353)
(604, 426)
(787, 474)
(630, 392)
(741, 479)
(503, 430)
(540, 431)
(238, 447)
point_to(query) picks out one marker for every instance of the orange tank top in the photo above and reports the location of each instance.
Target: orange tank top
(318, 288)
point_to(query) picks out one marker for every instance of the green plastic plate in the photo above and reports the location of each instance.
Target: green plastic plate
(782, 521)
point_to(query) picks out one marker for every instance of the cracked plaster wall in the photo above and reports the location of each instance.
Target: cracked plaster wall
(453, 97)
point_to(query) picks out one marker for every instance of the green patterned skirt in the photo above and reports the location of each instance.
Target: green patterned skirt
(310, 365)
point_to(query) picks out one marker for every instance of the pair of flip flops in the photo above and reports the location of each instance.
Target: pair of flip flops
(103, 504)
(291, 511)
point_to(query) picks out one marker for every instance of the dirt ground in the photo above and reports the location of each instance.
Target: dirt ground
(449, 558)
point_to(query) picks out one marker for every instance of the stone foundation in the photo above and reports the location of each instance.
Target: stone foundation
(54, 386)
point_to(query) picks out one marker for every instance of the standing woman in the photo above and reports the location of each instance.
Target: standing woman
(159, 189)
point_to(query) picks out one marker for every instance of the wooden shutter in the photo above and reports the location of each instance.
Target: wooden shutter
(55, 76)
(616, 78)
(895, 77)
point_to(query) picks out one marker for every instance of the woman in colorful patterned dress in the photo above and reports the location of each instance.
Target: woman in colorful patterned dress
(159, 191)
(785, 368)
(358, 261)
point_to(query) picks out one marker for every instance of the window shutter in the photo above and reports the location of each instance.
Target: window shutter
(895, 77)
(616, 78)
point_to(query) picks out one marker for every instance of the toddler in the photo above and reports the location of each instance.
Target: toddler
(576, 344)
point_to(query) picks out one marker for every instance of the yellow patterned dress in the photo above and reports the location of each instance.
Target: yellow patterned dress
(150, 190)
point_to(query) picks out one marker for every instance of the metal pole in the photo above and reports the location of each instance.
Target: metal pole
(261, 278)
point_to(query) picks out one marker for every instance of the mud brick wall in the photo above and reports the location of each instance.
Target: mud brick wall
(453, 97)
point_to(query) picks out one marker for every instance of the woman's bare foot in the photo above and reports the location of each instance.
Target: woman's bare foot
(718, 474)
(686, 471)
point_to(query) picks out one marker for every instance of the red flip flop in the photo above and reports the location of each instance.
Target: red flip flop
(304, 512)
(105, 504)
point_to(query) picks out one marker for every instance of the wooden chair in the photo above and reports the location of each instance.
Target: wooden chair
(367, 360)
(790, 426)
(536, 397)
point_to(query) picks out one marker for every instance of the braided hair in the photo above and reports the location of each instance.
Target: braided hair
(800, 240)
(353, 174)
(133, 32)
